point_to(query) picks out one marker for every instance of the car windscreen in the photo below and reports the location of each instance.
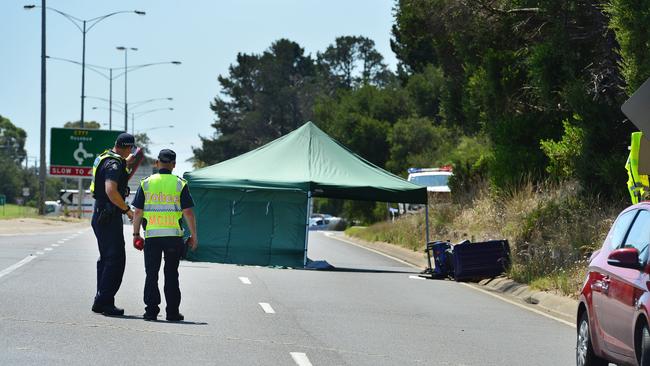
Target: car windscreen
(431, 180)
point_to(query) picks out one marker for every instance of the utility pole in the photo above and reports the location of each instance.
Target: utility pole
(41, 175)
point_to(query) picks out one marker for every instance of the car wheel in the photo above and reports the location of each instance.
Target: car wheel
(645, 346)
(585, 355)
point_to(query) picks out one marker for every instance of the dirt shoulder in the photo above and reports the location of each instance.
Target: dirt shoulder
(33, 226)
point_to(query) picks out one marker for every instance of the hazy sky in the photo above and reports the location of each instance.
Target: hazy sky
(205, 35)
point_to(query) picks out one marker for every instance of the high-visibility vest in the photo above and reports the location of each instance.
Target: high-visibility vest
(162, 205)
(638, 185)
(108, 154)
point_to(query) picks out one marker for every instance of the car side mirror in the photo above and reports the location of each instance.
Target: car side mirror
(624, 258)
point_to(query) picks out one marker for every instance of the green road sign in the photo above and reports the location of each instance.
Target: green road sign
(73, 151)
(3, 200)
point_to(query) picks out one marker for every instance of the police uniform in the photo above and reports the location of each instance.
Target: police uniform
(108, 227)
(163, 197)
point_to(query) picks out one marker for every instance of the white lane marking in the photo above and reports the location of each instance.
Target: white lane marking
(55, 245)
(61, 241)
(300, 359)
(470, 286)
(372, 250)
(245, 280)
(14, 267)
(267, 308)
(521, 305)
(47, 249)
(40, 253)
(416, 278)
(80, 232)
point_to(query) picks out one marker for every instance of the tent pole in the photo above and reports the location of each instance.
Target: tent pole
(307, 227)
(426, 213)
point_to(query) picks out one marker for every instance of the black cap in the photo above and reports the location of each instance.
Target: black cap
(125, 140)
(166, 156)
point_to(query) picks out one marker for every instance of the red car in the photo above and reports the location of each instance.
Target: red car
(613, 323)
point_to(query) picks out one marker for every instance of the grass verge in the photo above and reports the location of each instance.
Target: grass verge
(10, 211)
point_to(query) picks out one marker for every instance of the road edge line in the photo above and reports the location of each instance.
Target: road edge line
(372, 250)
(498, 296)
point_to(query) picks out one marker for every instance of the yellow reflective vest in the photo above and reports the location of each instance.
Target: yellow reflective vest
(162, 205)
(637, 184)
(108, 154)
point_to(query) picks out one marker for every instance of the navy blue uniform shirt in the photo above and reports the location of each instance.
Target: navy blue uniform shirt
(110, 169)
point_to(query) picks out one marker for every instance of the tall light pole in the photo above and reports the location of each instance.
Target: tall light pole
(84, 26)
(41, 170)
(126, 69)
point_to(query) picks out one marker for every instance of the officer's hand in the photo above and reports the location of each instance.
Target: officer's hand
(130, 160)
(129, 214)
(138, 242)
(192, 242)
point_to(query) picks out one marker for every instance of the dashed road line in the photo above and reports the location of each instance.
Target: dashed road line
(40, 253)
(300, 359)
(245, 280)
(267, 308)
(14, 267)
(416, 278)
(55, 245)
(47, 249)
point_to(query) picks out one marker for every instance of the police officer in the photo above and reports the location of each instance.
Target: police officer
(109, 188)
(161, 202)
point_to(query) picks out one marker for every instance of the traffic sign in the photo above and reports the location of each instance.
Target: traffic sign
(66, 197)
(25, 191)
(73, 151)
(637, 108)
(3, 200)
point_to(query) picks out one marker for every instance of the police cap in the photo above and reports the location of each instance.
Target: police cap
(125, 140)
(167, 156)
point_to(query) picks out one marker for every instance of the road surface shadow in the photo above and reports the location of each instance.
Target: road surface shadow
(160, 320)
(363, 270)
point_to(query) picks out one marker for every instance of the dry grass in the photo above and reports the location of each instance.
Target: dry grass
(551, 228)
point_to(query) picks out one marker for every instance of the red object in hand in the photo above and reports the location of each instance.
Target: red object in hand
(138, 243)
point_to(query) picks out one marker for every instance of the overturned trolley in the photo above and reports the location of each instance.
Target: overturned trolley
(466, 260)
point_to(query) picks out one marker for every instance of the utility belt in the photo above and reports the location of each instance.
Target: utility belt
(107, 212)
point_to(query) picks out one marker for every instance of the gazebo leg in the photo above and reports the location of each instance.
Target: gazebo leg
(307, 227)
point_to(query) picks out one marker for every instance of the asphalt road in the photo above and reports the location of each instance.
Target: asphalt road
(368, 311)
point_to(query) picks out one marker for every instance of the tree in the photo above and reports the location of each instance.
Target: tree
(629, 20)
(264, 97)
(12, 141)
(91, 125)
(352, 61)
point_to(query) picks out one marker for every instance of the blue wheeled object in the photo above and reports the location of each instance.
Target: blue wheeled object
(466, 260)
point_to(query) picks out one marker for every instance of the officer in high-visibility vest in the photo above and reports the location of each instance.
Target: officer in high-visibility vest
(161, 202)
(109, 188)
(637, 184)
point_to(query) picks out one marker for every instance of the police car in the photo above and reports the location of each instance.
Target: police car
(435, 179)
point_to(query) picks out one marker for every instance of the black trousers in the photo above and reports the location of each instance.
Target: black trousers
(153, 251)
(112, 258)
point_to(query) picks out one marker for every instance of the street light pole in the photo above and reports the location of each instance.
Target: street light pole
(41, 171)
(83, 73)
(126, 70)
(83, 29)
(110, 99)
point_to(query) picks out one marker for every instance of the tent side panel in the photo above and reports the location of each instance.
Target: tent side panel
(212, 211)
(250, 227)
(290, 217)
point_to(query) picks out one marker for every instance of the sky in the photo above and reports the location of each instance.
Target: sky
(204, 35)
